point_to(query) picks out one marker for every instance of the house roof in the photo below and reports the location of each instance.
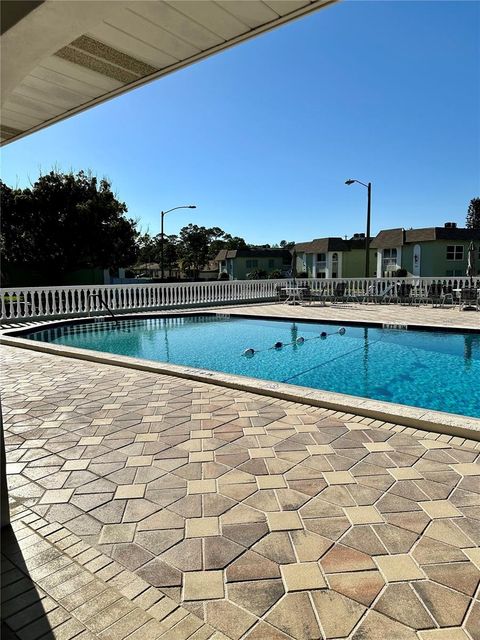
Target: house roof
(390, 238)
(323, 245)
(223, 254)
(441, 233)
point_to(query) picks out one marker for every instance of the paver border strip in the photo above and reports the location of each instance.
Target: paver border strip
(98, 569)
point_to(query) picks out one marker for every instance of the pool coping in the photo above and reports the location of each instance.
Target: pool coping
(404, 415)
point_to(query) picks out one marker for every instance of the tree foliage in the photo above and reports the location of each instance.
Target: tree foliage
(65, 222)
(473, 214)
(194, 245)
(192, 249)
(150, 250)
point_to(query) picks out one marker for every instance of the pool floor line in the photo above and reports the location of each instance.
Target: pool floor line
(348, 353)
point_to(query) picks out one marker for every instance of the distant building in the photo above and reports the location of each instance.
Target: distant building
(239, 263)
(429, 252)
(334, 257)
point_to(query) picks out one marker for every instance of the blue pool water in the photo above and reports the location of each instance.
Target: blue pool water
(427, 369)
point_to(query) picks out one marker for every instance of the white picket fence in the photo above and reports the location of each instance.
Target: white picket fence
(21, 303)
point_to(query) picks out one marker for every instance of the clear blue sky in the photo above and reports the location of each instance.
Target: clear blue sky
(261, 137)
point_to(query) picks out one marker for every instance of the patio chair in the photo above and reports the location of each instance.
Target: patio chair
(449, 294)
(373, 296)
(438, 295)
(316, 295)
(404, 293)
(370, 294)
(280, 293)
(469, 299)
(388, 295)
(339, 294)
(307, 293)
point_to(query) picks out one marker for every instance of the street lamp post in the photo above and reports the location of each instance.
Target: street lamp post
(163, 214)
(367, 238)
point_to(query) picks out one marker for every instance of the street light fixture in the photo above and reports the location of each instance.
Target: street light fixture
(163, 214)
(368, 186)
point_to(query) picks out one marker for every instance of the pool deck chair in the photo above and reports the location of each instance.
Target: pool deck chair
(374, 296)
(404, 293)
(280, 293)
(340, 295)
(469, 299)
(317, 295)
(438, 296)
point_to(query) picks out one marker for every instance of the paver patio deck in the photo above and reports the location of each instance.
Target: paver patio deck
(203, 512)
(382, 313)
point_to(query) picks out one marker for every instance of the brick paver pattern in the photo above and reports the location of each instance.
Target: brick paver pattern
(241, 516)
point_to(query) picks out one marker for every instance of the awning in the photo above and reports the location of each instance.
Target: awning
(60, 58)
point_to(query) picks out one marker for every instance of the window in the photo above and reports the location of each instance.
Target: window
(454, 273)
(455, 252)
(389, 259)
(321, 257)
(251, 264)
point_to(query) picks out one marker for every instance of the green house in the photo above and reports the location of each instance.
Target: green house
(430, 252)
(239, 263)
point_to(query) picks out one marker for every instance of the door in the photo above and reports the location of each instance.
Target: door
(417, 251)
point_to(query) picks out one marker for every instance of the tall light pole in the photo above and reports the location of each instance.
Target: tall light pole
(367, 238)
(163, 214)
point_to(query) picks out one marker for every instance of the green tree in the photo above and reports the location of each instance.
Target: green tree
(225, 241)
(66, 222)
(146, 249)
(193, 247)
(473, 214)
(170, 253)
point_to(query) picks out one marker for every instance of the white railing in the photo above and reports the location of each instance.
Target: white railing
(21, 303)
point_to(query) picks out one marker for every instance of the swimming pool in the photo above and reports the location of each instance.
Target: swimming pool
(428, 369)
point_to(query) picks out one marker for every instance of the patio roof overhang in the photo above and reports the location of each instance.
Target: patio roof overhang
(60, 58)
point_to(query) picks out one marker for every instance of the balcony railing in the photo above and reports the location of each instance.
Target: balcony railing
(23, 303)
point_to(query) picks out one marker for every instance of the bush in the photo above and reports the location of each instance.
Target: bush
(401, 273)
(302, 274)
(257, 274)
(275, 275)
(223, 276)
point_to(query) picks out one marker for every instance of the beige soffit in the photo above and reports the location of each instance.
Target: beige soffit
(62, 57)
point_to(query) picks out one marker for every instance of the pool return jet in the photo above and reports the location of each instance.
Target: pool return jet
(250, 352)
